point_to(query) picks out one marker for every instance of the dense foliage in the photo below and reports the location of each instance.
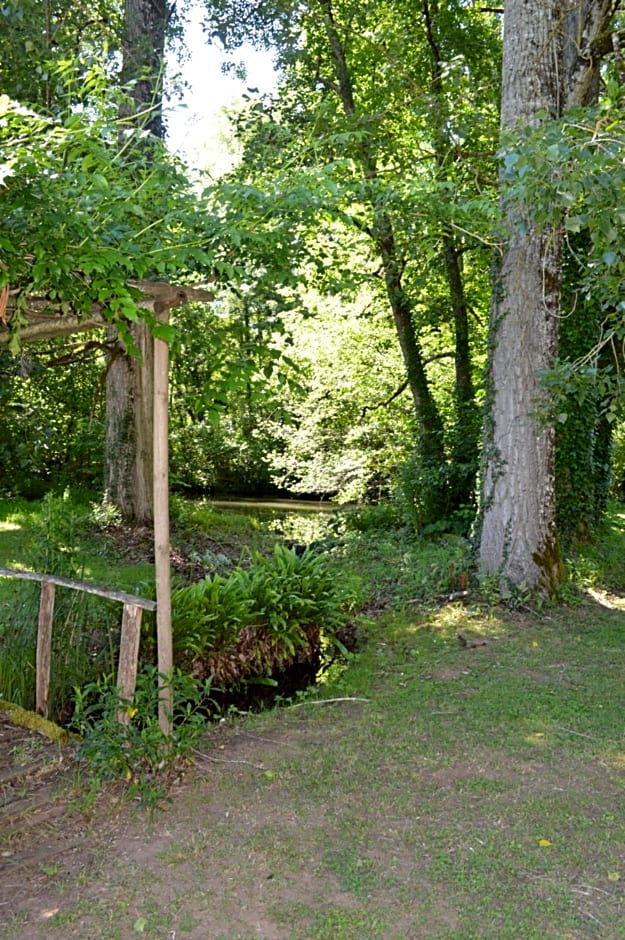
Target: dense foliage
(262, 622)
(78, 223)
(349, 251)
(382, 163)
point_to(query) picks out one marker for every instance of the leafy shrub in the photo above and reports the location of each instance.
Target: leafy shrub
(419, 495)
(380, 517)
(138, 751)
(258, 620)
(210, 612)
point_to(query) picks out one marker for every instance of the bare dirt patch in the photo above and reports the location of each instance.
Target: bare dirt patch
(39, 836)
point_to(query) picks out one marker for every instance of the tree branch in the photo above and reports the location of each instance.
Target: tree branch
(387, 401)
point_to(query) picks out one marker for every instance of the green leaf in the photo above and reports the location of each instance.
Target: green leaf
(164, 331)
(574, 223)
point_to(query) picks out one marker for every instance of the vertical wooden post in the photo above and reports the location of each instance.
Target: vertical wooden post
(161, 533)
(44, 647)
(128, 657)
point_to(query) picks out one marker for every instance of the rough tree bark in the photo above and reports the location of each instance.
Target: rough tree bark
(128, 446)
(129, 387)
(547, 66)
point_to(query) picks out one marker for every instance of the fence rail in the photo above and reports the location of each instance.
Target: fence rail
(129, 641)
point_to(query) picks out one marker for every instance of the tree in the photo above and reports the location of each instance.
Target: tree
(385, 172)
(130, 376)
(48, 49)
(82, 226)
(465, 437)
(230, 409)
(350, 433)
(550, 64)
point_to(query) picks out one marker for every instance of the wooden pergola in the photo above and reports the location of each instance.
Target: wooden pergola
(45, 320)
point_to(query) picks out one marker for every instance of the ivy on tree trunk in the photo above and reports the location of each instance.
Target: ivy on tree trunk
(546, 68)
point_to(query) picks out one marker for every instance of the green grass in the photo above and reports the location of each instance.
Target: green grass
(476, 793)
(465, 791)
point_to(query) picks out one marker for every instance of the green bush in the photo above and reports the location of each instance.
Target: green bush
(418, 496)
(210, 612)
(375, 517)
(138, 751)
(261, 618)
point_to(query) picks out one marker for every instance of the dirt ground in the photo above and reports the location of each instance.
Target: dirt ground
(467, 796)
(39, 833)
(69, 867)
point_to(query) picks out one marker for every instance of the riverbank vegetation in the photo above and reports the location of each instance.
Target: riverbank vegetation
(256, 620)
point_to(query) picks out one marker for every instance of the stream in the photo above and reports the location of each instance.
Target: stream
(295, 520)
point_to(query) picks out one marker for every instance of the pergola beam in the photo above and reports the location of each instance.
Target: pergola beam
(45, 319)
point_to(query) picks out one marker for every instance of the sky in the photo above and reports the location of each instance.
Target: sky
(197, 127)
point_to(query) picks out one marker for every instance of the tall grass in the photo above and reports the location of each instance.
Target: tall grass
(85, 633)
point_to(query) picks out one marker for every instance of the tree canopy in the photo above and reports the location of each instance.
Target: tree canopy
(351, 251)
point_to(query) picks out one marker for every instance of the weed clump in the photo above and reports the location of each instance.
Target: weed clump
(122, 740)
(260, 620)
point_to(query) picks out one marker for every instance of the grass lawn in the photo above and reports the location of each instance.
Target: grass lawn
(455, 789)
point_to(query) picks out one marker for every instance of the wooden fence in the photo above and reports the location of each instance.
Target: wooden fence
(129, 641)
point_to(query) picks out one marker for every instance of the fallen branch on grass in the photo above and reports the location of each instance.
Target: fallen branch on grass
(328, 701)
(224, 760)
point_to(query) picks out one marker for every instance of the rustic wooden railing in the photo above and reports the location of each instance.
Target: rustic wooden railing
(129, 640)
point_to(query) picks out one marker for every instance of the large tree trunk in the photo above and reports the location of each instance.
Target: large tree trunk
(129, 452)
(143, 53)
(546, 67)
(129, 421)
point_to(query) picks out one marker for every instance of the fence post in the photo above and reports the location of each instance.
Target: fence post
(44, 647)
(128, 657)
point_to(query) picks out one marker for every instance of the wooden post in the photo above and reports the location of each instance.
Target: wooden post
(161, 533)
(128, 657)
(44, 647)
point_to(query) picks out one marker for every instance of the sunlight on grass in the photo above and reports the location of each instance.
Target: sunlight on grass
(453, 618)
(606, 600)
(444, 789)
(9, 526)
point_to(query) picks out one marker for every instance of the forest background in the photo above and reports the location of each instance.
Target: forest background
(406, 292)
(351, 255)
